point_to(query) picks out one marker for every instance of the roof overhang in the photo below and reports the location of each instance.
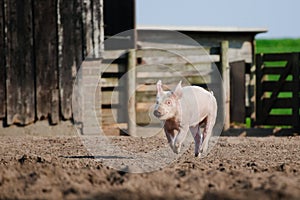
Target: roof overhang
(203, 29)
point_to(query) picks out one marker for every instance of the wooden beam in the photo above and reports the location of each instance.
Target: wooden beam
(131, 81)
(226, 81)
(258, 89)
(19, 58)
(2, 61)
(71, 53)
(296, 89)
(46, 66)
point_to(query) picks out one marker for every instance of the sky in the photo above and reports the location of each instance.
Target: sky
(280, 17)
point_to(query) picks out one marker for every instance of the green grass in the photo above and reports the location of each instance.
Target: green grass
(278, 46)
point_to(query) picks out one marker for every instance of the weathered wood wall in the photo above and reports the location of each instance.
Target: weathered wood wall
(42, 45)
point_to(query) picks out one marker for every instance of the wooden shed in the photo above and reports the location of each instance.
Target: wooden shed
(235, 46)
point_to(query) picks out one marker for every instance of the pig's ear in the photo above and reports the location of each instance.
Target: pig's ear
(178, 91)
(159, 87)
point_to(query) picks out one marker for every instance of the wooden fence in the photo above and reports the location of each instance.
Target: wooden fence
(277, 89)
(42, 44)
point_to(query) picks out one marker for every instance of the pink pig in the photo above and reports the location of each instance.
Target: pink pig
(186, 108)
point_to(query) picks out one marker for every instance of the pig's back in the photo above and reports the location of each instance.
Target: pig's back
(197, 103)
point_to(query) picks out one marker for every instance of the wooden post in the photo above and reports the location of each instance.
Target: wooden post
(131, 82)
(70, 54)
(2, 61)
(19, 63)
(296, 89)
(258, 88)
(46, 66)
(226, 80)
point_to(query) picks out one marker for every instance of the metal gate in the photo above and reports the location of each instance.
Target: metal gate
(277, 90)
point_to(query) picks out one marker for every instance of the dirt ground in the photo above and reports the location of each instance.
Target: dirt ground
(45, 166)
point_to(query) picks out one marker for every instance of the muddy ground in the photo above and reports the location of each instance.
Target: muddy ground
(45, 166)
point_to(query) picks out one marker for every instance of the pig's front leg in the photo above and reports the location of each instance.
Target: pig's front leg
(180, 138)
(170, 137)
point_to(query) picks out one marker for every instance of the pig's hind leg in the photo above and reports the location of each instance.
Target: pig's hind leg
(207, 134)
(198, 138)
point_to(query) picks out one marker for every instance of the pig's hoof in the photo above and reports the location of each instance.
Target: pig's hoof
(177, 148)
(196, 154)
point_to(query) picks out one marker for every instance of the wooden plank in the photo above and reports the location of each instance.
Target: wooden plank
(169, 74)
(152, 87)
(273, 70)
(142, 112)
(279, 120)
(71, 52)
(2, 61)
(237, 92)
(259, 92)
(19, 57)
(276, 57)
(194, 80)
(114, 54)
(45, 37)
(98, 28)
(107, 97)
(107, 117)
(182, 60)
(93, 31)
(296, 90)
(109, 82)
(143, 53)
(67, 65)
(199, 68)
(226, 80)
(279, 102)
(146, 88)
(87, 28)
(268, 86)
(115, 67)
(131, 92)
(146, 96)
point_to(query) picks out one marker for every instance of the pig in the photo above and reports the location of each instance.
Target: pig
(186, 108)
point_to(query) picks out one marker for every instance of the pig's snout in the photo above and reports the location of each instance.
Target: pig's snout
(157, 113)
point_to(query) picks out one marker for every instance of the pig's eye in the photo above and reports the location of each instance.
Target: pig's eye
(168, 102)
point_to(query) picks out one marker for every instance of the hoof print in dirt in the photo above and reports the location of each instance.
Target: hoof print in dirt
(23, 159)
(116, 177)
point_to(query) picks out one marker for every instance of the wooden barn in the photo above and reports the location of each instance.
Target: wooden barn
(44, 43)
